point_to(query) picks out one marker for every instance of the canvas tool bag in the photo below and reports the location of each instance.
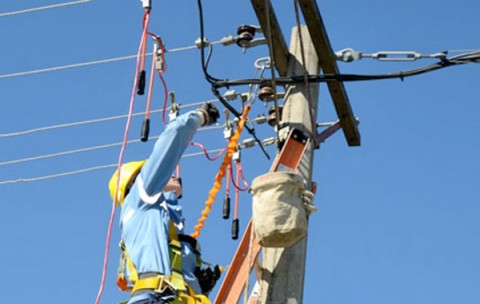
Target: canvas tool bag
(279, 212)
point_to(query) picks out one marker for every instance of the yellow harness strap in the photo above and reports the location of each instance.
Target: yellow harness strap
(157, 283)
(175, 281)
(176, 277)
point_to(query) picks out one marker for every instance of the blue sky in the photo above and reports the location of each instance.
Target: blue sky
(398, 216)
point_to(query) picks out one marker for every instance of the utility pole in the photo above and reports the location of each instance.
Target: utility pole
(281, 277)
(284, 268)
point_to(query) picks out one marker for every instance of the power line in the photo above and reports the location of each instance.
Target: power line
(75, 172)
(66, 125)
(90, 63)
(52, 155)
(87, 149)
(92, 121)
(42, 8)
(68, 66)
(247, 143)
(45, 177)
(93, 148)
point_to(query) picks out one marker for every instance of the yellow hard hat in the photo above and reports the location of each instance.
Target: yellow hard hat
(128, 173)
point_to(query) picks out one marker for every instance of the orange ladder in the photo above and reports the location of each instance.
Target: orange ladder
(245, 257)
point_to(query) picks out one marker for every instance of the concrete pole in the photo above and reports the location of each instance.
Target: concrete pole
(284, 268)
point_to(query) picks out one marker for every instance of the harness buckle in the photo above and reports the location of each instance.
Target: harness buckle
(159, 284)
(165, 284)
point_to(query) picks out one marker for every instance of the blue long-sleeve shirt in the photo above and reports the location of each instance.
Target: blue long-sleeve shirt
(147, 210)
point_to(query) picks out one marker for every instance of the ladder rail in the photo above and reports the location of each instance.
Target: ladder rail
(235, 279)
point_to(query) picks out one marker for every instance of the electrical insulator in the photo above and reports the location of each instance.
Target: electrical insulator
(249, 142)
(261, 119)
(245, 35)
(272, 118)
(266, 92)
(269, 141)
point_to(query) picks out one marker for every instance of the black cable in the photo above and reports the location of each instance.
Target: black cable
(213, 81)
(271, 52)
(457, 60)
(305, 72)
(250, 130)
(470, 57)
(209, 56)
(209, 78)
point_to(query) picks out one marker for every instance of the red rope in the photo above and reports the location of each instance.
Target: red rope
(150, 88)
(206, 153)
(165, 97)
(120, 160)
(161, 52)
(143, 45)
(241, 176)
(227, 180)
(237, 193)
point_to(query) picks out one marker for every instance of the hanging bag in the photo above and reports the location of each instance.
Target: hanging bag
(279, 215)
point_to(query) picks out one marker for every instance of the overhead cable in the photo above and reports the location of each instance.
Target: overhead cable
(213, 80)
(51, 176)
(247, 143)
(42, 8)
(473, 57)
(92, 121)
(68, 66)
(90, 63)
(88, 149)
(64, 153)
(95, 168)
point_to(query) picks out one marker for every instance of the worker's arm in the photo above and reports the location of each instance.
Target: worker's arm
(167, 152)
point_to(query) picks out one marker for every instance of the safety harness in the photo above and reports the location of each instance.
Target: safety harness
(173, 284)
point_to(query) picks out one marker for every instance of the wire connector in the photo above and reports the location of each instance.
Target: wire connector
(158, 54)
(199, 44)
(146, 3)
(230, 95)
(236, 156)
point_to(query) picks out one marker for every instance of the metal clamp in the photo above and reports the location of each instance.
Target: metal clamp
(158, 54)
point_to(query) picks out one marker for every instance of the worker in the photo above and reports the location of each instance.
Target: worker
(151, 219)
